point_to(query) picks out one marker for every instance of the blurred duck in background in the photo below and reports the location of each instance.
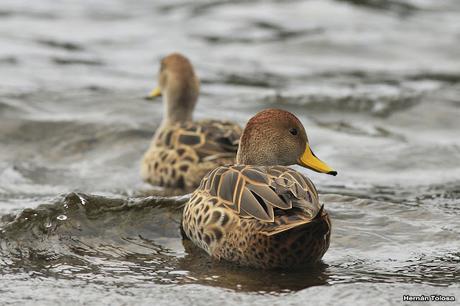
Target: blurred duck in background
(260, 212)
(182, 151)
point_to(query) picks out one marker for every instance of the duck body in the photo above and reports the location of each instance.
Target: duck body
(258, 216)
(181, 153)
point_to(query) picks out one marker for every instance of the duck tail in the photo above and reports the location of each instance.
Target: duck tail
(320, 213)
(318, 220)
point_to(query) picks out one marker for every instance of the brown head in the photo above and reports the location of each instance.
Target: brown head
(179, 86)
(277, 137)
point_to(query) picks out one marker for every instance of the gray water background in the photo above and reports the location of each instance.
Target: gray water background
(376, 84)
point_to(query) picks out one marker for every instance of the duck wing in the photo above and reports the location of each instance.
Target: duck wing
(277, 196)
(220, 139)
(210, 139)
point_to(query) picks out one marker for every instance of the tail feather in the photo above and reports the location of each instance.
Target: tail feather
(277, 229)
(320, 212)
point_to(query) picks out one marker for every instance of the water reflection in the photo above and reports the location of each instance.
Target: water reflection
(202, 269)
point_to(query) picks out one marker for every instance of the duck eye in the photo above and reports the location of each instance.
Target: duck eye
(293, 131)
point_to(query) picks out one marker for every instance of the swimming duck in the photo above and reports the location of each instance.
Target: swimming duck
(182, 151)
(260, 212)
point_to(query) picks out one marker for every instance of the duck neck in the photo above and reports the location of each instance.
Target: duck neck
(261, 159)
(250, 154)
(178, 107)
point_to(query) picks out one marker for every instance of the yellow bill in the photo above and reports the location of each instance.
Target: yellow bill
(309, 160)
(154, 93)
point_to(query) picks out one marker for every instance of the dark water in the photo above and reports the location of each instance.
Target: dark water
(376, 83)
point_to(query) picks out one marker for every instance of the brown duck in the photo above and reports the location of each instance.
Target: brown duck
(260, 212)
(182, 151)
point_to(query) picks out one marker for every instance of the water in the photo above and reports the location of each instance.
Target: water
(376, 83)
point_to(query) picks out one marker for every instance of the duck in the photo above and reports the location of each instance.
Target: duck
(260, 212)
(182, 150)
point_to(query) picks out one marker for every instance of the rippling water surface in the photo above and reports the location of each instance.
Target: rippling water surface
(376, 83)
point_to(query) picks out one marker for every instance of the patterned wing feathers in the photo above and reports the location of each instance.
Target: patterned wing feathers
(266, 193)
(211, 139)
(290, 221)
(279, 197)
(220, 139)
(252, 192)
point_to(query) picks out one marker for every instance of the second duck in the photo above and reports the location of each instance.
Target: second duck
(182, 151)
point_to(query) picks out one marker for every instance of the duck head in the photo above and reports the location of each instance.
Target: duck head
(277, 137)
(179, 86)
